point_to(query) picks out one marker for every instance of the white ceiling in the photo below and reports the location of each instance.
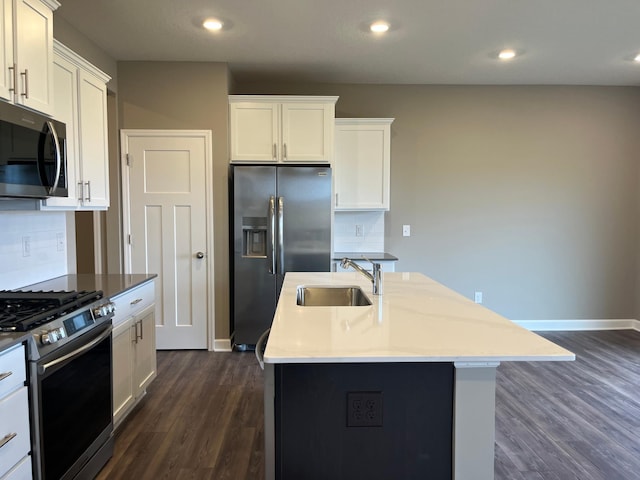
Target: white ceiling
(574, 42)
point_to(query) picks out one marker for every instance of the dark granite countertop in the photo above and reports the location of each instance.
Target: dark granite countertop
(110, 284)
(8, 340)
(379, 256)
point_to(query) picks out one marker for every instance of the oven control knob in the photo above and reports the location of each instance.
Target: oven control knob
(104, 310)
(53, 336)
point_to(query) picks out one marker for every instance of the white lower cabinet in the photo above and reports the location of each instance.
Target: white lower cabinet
(15, 437)
(123, 346)
(21, 471)
(134, 349)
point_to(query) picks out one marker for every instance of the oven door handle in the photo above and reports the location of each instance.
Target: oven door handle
(79, 351)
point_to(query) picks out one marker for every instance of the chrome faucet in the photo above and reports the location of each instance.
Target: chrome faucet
(375, 276)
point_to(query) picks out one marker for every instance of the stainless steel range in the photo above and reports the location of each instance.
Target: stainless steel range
(70, 375)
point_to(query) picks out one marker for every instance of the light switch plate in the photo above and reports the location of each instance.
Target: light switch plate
(406, 230)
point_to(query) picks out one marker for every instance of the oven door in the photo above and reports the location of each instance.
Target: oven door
(73, 405)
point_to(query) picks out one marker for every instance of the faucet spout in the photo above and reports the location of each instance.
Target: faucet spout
(375, 277)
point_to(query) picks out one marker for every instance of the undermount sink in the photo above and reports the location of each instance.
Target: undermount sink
(331, 296)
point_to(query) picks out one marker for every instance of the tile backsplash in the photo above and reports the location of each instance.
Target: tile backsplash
(33, 247)
(358, 232)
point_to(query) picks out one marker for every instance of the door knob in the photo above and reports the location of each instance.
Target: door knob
(200, 255)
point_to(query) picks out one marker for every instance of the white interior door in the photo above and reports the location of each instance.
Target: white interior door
(167, 206)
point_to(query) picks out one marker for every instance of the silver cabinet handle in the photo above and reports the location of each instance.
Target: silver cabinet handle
(25, 74)
(88, 184)
(141, 335)
(14, 76)
(7, 438)
(281, 234)
(81, 188)
(271, 249)
(275, 152)
(138, 335)
(284, 149)
(336, 199)
(136, 301)
(200, 255)
(5, 375)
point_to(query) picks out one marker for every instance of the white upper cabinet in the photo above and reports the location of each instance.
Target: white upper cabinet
(80, 94)
(281, 128)
(92, 133)
(6, 52)
(362, 163)
(26, 55)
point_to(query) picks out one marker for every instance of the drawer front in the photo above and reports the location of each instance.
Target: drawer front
(14, 429)
(12, 369)
(133, 301)
(22, 471)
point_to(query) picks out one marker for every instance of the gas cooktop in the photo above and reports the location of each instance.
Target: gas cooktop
(21, 311)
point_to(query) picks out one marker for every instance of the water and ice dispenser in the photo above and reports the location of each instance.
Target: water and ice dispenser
(254, 237)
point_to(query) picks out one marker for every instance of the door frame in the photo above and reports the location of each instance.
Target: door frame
(126, 210)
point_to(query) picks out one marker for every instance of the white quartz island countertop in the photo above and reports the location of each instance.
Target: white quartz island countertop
(415, 320)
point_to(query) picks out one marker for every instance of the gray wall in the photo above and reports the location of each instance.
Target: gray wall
(528, 194)
(68, 35)
(186, 95)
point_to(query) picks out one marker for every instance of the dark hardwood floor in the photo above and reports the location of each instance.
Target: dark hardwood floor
(202, 416)
(201, 419)
(572, 420)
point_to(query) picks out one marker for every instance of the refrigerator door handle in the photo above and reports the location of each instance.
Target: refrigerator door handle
(271, 249)
(281, 235)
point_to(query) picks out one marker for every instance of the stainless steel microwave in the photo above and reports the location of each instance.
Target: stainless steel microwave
(33, 161)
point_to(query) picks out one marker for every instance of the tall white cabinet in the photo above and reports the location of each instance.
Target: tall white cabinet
(26, 55)
(362, 163)
(81, 103)
(281, 128)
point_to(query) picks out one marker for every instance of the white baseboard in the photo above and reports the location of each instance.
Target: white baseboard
(590, 324)
(222, 345)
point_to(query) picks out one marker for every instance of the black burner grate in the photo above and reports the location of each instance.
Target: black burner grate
(25, 310)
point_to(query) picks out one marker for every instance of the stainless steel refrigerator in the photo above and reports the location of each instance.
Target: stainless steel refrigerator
(281, 222)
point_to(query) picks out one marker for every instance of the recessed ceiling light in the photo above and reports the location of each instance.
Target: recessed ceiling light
(637, 58)
(379, 27)
(212, 24)
(507, 54)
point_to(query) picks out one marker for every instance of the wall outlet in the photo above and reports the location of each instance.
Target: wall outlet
(406, 230)
(26, 246)
(359, 230)
(477, 297)
(364, 409)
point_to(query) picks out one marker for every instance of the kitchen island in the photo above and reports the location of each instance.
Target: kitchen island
(404, 385)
